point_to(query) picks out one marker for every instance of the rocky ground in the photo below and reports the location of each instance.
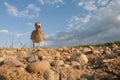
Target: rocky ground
(81, 63)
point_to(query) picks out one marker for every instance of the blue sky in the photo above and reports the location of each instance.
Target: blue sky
(65, 22)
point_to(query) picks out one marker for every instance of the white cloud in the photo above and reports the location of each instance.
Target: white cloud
(30, 24)
(80, 4)
(92, 5)
(41, 1)
(118, 17)
(31, 11)
(3, 31)
(103, 2)
(76, 21)
(16, 34)
(52, 2)
(88, 5)
(11, 9)
(104, 26)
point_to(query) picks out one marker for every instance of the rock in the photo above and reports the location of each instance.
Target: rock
(71, 74)
(62, 48)
(91, 47)
(49, 75)
(87, 50)
(57, 63)
(41, 54)
(114, 46)
(75, 64)
(107, 50)
(107, 60)
(9, 52)
(64, 55)
(1, 59)
(11, 63)
(60, 62)
(23, 53)
(110, 56)
(79, 57)
(83, 79)
(39, 66)
(32, 58)
(71, 78)
(66, 66)
(3, 77)
(56, 74)
(57, 54)
(95, 51)
(53, 64)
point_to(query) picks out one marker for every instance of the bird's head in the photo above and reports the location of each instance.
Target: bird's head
(38, 25)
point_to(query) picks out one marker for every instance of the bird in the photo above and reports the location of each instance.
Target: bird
(38, 34)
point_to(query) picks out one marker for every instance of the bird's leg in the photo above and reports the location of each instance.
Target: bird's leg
(39, 44)
(33, 45)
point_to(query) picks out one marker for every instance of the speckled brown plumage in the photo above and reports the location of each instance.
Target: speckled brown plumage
(37, 35)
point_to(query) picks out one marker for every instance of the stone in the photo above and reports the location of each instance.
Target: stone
(57, 54)
(114, 46)
(110, 56)
(75, 64)
(60, 62)
(79, 57)
(62, 48)
(57, 63)
(66, 66)
(71, 78)
(52, 63)
(107, 52)
(91, 47)
(49, 75)
(32, 58)
(9, 52)
(83, 79)
(1, 59)
(11, 63)
(87, 50)
(23, 53)
(42, 54)
(39, 66)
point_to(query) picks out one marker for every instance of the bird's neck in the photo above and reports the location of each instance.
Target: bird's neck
(37, 29)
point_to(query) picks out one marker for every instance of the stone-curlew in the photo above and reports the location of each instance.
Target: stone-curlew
(37, 35)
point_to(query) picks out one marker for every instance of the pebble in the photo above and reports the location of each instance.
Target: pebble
(114, 46)
(1, 59)
(79, 57)
(60, 62)
(75, 64)
(57, 63)
(39, 66)
(66, 66)
(86, 50)
(32, 58)
(11, 63)
(9, 52)
(49, 75)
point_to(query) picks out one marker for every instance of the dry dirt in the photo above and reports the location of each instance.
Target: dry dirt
(103, 63)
